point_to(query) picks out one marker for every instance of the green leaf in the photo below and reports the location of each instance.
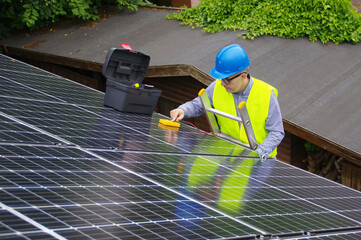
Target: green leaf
(35, 14)
(332, 20)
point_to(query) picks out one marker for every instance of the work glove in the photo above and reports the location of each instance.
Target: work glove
(262, 155)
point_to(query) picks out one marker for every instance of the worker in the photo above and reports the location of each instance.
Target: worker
(233, 85)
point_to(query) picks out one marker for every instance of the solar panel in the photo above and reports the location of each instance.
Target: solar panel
(72, 168)
(47, 87)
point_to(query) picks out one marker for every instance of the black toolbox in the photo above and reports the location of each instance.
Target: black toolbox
(124, 70)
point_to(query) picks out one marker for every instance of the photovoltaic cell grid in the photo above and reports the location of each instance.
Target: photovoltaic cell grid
(72, 168)
(67, 190)
(94, 127)
(274, 197)
(22, 81)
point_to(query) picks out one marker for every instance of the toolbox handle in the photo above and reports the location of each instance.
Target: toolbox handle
(124, 69)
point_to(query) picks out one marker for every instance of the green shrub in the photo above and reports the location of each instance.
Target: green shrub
(327, 20)
(33, 14)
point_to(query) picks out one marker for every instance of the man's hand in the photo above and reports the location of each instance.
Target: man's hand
(262, 155)
(177, 114)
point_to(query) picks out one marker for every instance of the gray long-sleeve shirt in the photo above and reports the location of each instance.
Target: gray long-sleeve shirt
(274, 123)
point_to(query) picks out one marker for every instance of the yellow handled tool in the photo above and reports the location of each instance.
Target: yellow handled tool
(169, 123)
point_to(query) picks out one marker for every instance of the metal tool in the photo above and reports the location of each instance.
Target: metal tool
(244, 119)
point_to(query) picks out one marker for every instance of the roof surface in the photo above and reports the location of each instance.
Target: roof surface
(319, 85)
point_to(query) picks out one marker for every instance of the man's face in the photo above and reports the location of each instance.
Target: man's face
(236, 83)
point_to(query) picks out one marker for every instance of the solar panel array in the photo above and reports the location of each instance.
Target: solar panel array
(72, 168)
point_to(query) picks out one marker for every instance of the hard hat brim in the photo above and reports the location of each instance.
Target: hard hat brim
(218, 75)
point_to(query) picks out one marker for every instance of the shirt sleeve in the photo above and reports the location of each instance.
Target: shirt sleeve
(274, 125)
(194, 107)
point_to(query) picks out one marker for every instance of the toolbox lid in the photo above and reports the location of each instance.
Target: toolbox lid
(125, 66)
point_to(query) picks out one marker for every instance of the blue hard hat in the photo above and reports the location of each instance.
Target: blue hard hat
(230, 60)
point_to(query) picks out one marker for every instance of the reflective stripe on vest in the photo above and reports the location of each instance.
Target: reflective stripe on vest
(257, 105)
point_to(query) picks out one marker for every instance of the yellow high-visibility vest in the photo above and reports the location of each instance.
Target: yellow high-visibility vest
(257, 105)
